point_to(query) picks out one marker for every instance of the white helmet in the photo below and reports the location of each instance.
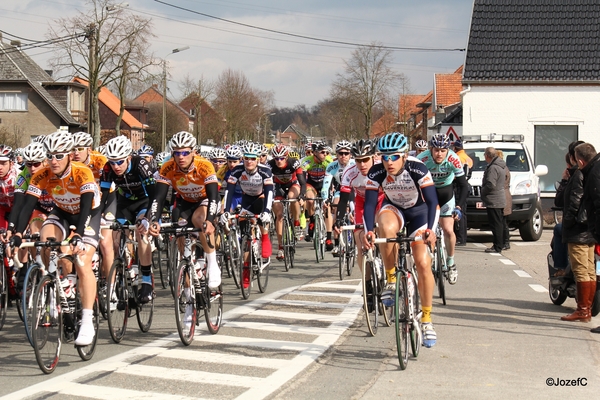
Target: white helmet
(234, 152)
(344, 144)
(59, 142)
(82, 139)
(217, 153)
(118, 148)
(34, 152)
(182, 140)
(251, 149)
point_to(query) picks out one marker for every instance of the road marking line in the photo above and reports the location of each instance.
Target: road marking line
(324, 294)
(297, 316)
(538, 288)
(522, 273)
(111, 393)
(538, 243)
(306, 303)
(331, 285)
(258, 342)
(233, 359)
(506, 261)
(267, 326)
(495, 254)
(479, 245)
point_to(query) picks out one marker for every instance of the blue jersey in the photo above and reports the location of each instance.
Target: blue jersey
(443, 174)
(333, 172)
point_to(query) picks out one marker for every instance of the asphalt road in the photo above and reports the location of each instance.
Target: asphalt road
(306, 337)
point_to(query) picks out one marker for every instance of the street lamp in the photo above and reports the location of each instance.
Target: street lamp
(164, 116)
(265, 125)
(311, 135)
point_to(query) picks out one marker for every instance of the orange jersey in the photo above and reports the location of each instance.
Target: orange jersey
(96, 163)
(189, 185)
(66, 190)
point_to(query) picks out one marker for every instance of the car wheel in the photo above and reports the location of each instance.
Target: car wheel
(532, 230)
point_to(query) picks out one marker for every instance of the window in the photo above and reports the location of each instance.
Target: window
(515, 159)
(13, 101)
(551, 145)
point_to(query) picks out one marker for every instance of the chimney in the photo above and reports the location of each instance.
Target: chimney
(49, 72)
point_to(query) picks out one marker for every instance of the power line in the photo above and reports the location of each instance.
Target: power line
(300, 36)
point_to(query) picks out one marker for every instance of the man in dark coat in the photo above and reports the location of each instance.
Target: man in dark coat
(493, 197)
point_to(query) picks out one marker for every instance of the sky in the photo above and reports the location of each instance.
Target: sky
(299, 71)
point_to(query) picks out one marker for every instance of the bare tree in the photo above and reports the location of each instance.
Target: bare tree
(175, 120)
(195, 101)
(12, 137)
(115, 38)
(367, 81)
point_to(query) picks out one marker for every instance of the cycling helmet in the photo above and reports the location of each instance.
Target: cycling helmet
(34, 152)
(394, 142)
(363, 148)
(458, 144)
(294, 154)
(217, 153)
(421, 144)
(146, 150)
(82, 139)
(19, 152)
(6, 153)
(319, 146)
(102, 150)
(198, 149)
(264, 151)
(251, 149)
(59, 142)
(308, 147)
(39, 139)
(440, 141)
(160, 158)
(344, 144)
(280, 150)
(118, 148)
(234, 152)
(181, 140)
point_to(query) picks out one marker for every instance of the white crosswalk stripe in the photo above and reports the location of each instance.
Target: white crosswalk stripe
(272, 339)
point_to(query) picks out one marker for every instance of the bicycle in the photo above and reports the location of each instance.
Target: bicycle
(55, 315)
(319, 230)
(347, 249)
(406, 308)
(124, 282)
(288, 234)
(192, 294)
(439, 266)
(232, 253)
(3, 296)
(252, 245)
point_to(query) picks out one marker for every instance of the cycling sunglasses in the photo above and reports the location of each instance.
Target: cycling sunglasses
(182, 153)
(118, 162)
(280, 158)
(391, 157)
(219, 161)
(362, 160)
(249, 158)
(343, 153)
(58, 156)
(33, 164)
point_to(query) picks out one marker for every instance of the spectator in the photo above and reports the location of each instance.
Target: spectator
(582, 256)
(492, 195)
(460, 226)
(508, 206)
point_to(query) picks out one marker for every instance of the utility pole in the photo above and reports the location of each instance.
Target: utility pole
(199, 112)
(164, 99)
(92, 83)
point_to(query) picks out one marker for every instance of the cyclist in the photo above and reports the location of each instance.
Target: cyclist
(410, 199)
(8, 178)
(134, 181)
(34, 156)
(234, 157)
(218, 158)
(308, 152)
(193, 179)
(315, 168)
(264, 155)
(421, 146)
(446, 168)
(77, 202)
(147, 152)
(289, 181)
(256, 182)
(354, 181)
(333, 173)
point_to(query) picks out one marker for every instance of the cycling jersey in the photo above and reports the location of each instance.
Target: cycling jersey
(411, 188)
(7, 189)
(315, 172)
(333, 173)
(133, 184)
(190, 185)
(45, 202)
(253, 185)
(443, 174)
(354, 182)
(96, 162)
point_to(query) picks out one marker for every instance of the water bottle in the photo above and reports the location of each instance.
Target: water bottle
(378, 268)
(411, 286)
(200, 267)
(134, 274)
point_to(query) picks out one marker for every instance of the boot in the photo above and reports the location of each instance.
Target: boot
(584, 311)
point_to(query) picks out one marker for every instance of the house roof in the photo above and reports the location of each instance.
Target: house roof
(16, 66)
(533, 41)
(447, 88)
(407, 104)
(385, 124)
(113, 103)
(153, 95)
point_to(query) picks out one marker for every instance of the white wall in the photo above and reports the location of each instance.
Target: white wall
(517, 109)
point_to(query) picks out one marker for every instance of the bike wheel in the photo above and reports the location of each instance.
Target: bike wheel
(317, 238)
(322, 236)
(145, 312)
(401, 315)
(32, 278)
(222, 252)
(247, 250)
(158, 258)
(234, 256)
(117, 300)
(286, 243)
(415, 330)
(3, 296)
(213, 308)
(342, 261)
(172, 264)
(87, 352)
(441, 278)
(370, 297)
(46, 330)
(185, 303)
(350, 253)
(262, 275)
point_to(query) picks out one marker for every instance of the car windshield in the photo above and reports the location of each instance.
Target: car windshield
(514, 158)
